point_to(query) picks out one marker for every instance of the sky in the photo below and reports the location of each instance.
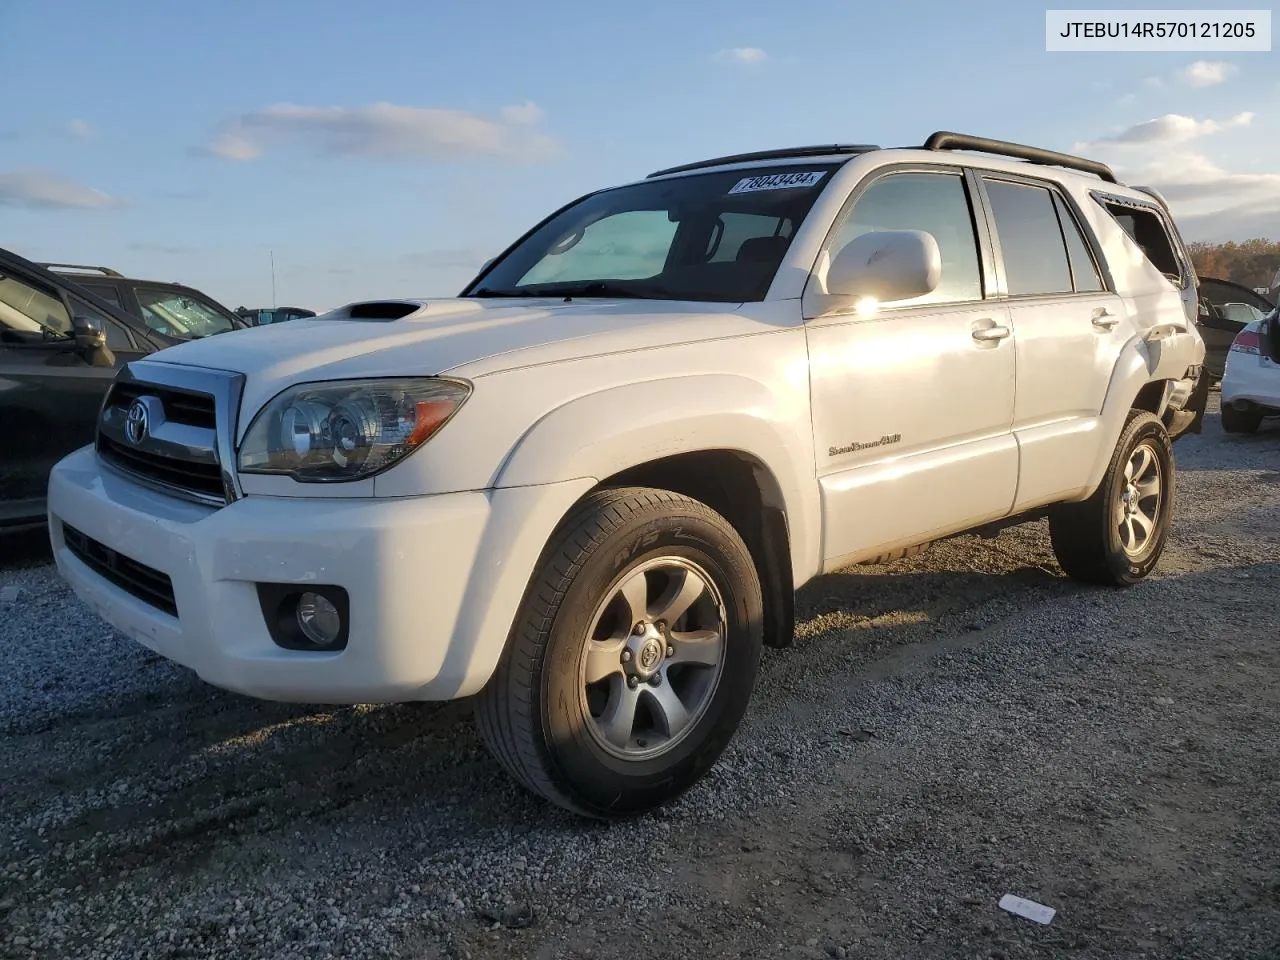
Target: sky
(387, 149)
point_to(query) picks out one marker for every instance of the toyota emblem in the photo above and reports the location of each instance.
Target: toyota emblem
(135, 424)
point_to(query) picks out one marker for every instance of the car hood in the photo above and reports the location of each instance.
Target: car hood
(461, 337)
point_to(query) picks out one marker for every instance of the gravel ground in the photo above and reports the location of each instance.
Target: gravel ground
(946, 729)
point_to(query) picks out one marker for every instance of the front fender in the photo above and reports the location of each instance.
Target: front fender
(604, 433)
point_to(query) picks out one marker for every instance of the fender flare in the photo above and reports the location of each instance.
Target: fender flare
(664, 417)
(1141, 362)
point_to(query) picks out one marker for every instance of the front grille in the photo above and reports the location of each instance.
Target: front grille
(178, 449)
(205, 478)
(180, 406)
(147, 584)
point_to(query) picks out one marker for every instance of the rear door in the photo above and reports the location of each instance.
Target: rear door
(1068, 329)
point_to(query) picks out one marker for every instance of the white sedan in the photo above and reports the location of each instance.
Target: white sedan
(1251, 382)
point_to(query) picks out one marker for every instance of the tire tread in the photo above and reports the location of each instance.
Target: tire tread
(506, 708)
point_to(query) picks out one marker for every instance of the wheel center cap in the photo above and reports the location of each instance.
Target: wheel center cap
(648, 650)
(650, 655)
(1131, 498)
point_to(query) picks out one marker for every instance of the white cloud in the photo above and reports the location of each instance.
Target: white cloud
(41, 190)
(386, 131)
(81, 130)
(1172, 128)
(1155, 83)
(526, 113)
(742, 55)
(1211, 203)
(1206, 73)
(230, 145)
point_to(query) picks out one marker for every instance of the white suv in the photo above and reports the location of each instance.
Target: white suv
(642, 427)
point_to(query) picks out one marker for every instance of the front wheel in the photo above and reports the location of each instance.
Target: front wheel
(1116, 537)
(633, 656)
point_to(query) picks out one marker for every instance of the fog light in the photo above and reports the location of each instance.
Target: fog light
(318, 619)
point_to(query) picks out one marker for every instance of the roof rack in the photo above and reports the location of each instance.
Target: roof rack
(945, 140)
(105, 271)
(784, 153)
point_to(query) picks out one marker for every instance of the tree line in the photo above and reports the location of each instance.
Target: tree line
(1252, 264)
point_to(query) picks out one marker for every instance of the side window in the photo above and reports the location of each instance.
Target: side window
(1147, 230)
(626, 246)
(740, 227)
(103, 291)
(934, 202)
(1031, 244)
(30, 309)
(1084, 271)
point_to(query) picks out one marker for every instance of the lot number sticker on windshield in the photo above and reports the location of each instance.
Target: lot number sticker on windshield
(778, 181)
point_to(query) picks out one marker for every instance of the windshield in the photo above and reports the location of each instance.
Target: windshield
(178, 314)
(710, 236)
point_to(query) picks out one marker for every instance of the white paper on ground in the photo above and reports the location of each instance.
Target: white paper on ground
(1027, 908)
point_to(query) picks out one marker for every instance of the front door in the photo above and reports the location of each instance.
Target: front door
(913, 402)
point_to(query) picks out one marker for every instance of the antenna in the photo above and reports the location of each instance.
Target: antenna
(273, 279)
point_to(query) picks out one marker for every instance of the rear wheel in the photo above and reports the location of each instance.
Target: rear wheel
(633, 656)
(1116, 537)
(1240, 421)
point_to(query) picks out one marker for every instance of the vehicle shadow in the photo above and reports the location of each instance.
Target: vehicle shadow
(209, 769)
(25, 548)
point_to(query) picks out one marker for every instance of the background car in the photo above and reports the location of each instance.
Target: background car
(1251, 383)
(60, 348)
(172, 309)
(261, 316)
(1225, 309)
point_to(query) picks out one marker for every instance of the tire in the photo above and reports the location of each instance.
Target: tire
(570, 741)
(1240, 421)
(1102, 540)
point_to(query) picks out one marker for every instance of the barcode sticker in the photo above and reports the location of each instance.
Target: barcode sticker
(778, 181)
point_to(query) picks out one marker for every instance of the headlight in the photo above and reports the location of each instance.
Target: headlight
(347, 429)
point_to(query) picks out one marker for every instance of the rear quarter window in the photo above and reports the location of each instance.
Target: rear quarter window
(1148, 230)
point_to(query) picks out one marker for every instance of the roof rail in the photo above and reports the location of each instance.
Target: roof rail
(782, 154)
(945, 140)
(105, 271)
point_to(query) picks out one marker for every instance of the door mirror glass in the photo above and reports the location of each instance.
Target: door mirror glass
(886, 265)
(91, 340)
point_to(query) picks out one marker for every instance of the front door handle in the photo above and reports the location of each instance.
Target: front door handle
(1104, 319)
(983, 334)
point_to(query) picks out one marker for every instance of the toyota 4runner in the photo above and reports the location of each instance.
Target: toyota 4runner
(586, 489)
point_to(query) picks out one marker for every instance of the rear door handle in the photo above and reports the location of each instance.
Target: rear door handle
(991, 333)
(1104, 319)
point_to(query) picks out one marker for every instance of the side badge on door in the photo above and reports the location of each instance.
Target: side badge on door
(886, 440)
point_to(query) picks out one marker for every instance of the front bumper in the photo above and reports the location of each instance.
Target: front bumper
(434, 581)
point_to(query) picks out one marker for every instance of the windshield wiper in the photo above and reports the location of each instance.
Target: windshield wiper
(588, 288)
(486, 292)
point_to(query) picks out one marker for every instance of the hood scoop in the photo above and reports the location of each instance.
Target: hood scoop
(377, 310)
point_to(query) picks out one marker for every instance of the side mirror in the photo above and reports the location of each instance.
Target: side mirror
(91, 341)
(886, 265)
(487, 264)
